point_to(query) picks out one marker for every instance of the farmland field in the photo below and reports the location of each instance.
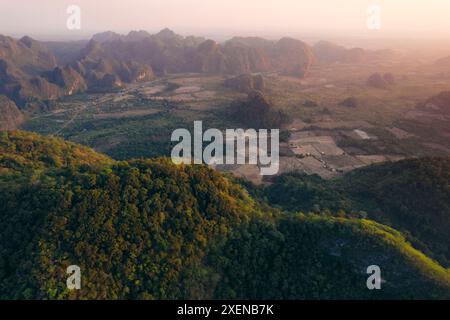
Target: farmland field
(326, 138)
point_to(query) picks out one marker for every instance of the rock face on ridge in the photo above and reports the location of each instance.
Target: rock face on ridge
(246, 83)
(379, 81)
(10, 115)
(168, 52)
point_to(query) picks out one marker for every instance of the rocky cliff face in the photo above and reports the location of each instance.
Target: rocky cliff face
(250, 55)
(163, 52)
(245, 59)
(209, 58)
(26, 54)
(292, 57)
(68, 79)
(172, 53)
(10, 115)
(22, 63)
(29, 70)
(246, 83)
(22, 87)
(101, 71)
(258, 112)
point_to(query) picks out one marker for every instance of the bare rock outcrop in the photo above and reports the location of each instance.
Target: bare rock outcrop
(258, 112)
(68, 79)
(10, 115)
(246, 83)
(379, 81)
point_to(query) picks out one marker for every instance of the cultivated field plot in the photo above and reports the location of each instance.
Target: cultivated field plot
(326, 137)
(136, 121)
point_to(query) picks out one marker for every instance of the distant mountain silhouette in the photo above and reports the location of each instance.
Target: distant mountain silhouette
(328, 52)
(21, 63)
(168, 52)
(36, 71)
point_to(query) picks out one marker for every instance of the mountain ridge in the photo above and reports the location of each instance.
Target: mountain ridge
(32, 71)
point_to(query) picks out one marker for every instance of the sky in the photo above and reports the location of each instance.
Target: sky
(47, 18)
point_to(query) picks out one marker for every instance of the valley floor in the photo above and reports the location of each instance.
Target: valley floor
(327, 138)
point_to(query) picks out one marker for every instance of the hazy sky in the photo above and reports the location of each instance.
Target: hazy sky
(47, 18)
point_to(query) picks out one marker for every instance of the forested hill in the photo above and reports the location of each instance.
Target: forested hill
(148, 229)
(20, 151)
(412, 196)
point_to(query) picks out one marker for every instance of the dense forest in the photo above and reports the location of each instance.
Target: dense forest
(149, 229)
(413, 196)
